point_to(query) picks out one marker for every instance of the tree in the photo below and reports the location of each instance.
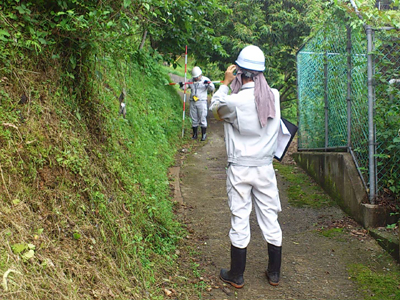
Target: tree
(277, 27)
(171, 25)
(288, 30)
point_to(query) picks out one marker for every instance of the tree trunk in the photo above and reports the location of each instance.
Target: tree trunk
(143, 39)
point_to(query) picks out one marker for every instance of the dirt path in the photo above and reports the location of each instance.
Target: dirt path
(313, 266)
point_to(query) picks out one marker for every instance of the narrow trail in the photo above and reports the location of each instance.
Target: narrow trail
(313, 266)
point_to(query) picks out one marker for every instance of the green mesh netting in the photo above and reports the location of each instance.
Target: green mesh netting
(327, 52)
(310, 71)
(387, 105)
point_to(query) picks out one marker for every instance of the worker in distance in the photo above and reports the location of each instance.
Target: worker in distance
(199, 86)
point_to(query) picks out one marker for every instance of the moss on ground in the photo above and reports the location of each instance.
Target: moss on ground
(302, 190)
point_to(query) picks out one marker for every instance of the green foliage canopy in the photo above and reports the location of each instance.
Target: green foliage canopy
(278, 27)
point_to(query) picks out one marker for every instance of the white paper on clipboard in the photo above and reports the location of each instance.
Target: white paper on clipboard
(286, 134)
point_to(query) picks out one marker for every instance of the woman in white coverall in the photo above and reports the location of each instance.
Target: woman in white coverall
(252, 121)
(198, 101)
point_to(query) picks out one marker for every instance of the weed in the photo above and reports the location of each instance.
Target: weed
(195, 269)
(391, 226)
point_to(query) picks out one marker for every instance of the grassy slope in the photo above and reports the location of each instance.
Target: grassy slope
(85, 210)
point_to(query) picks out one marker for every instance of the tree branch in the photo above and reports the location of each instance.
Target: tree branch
(143, 39)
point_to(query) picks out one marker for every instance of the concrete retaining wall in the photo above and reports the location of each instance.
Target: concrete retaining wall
(337, 174)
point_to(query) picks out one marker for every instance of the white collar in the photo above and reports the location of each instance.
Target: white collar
(248, 85)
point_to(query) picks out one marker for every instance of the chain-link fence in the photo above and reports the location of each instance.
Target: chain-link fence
(349, 100)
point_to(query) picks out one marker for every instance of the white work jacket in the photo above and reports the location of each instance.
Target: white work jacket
(247, 143)
(199, 89)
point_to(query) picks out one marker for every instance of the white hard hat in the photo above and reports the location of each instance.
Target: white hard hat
(196, 72)
(251, 58)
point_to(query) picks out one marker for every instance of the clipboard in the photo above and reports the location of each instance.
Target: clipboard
(286, 134)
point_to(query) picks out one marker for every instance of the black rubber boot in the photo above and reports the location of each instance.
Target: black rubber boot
(274, 264)
(203, 133)
(234, 276)
(194, 137)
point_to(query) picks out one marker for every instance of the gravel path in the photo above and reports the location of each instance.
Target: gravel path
(313, 266)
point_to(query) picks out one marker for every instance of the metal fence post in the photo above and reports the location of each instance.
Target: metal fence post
(326, 99)
(299, 132)
(349, 82)
(371, 129)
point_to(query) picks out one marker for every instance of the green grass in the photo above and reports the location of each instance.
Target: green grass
(376, 285)
(175, 72)
(302, 191)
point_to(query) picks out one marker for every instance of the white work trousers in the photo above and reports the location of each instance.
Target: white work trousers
(243, 185)
(198, 113)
